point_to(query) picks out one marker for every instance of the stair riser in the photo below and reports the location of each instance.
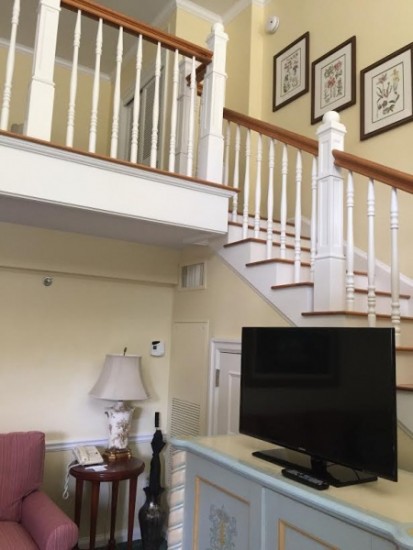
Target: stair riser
(275, 274)
(293, 299)
(404, 368)
(383, 304)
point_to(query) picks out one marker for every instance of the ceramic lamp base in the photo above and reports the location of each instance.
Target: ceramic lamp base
(119, 417)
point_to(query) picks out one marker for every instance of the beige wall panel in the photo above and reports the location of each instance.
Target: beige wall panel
(227, 302)
(54, 339)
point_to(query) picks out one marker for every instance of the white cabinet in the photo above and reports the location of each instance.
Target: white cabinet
(231, 500)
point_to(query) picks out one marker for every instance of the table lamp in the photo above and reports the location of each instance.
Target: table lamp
(120, 381)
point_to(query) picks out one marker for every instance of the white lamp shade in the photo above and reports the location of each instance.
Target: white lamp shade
(120, 379)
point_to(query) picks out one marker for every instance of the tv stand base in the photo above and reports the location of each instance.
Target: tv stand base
(333, 474)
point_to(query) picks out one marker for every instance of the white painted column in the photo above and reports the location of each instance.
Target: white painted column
(41, 92)
(329, 265)
(211, 141)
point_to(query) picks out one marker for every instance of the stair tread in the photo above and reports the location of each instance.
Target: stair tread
(262, 241)
(293, 285)
(357, 290)
(405, 387)
(350, 313)
(275, 260)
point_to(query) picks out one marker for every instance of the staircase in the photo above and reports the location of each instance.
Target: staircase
(273, 279)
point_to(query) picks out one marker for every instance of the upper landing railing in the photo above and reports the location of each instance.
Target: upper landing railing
(104, 83)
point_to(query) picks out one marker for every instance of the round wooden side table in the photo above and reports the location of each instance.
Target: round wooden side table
(113, 472)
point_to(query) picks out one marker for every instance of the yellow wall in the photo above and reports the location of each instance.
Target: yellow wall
(227, 303)
(331, 22)
(106, 295)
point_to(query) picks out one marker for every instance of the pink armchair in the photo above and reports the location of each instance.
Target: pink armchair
(29, 519)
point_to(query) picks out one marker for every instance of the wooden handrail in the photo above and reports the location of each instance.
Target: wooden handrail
(378, 172)
(152, 34)
(285, 136)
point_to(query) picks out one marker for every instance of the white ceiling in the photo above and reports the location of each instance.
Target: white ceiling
(149, 10)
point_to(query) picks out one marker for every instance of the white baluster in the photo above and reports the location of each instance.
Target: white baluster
(297, 220)
(174, 112)
(257, 217)
(73, 82)
(245, 213)
(371, 257)
(395, 275)
(227, 148)
(136, 103)
(155, 112)
(270, 198)
(116, 97)
(190, 161)
(95, 93)
(313, 246)
(11, 54)
(350, 244)
(283, 203)
(236, 172)
(184, 101)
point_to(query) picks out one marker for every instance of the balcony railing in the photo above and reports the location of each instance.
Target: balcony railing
(104, 83)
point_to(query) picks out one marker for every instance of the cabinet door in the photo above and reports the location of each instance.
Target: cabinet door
(294, 526)
(222, 509)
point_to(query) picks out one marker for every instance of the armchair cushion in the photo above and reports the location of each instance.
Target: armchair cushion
(22, 459)
(14, 536)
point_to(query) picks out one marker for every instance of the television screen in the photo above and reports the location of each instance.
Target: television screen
(326, 396)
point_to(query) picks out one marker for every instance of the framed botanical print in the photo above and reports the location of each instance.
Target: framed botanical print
(386, 93)
(290, 72)
(333, 80)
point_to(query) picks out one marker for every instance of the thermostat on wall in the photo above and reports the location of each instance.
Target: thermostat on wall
(157, 348)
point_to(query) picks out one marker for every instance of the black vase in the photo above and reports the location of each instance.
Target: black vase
(151, 521)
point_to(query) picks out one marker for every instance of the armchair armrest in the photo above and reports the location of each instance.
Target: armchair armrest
(47, 524)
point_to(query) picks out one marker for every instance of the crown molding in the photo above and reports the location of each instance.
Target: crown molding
(202, 13)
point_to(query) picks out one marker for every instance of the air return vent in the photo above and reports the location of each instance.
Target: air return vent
(185, 418)
(192, 276)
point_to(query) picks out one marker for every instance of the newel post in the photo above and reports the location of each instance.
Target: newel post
(211, 140)
(329, 266)
(41, 92)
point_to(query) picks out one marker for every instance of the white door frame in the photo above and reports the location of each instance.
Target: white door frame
(218, 346)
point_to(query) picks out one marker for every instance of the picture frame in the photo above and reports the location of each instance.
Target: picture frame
(333, 80)
(291, 72)
(386, 93)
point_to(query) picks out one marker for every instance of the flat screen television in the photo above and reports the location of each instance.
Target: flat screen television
(325, 396)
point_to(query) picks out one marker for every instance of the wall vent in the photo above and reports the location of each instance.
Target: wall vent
(185, 418)
(192, 276)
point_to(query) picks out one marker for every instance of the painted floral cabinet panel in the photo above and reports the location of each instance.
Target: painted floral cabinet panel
(222, 510)
(295, 526)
